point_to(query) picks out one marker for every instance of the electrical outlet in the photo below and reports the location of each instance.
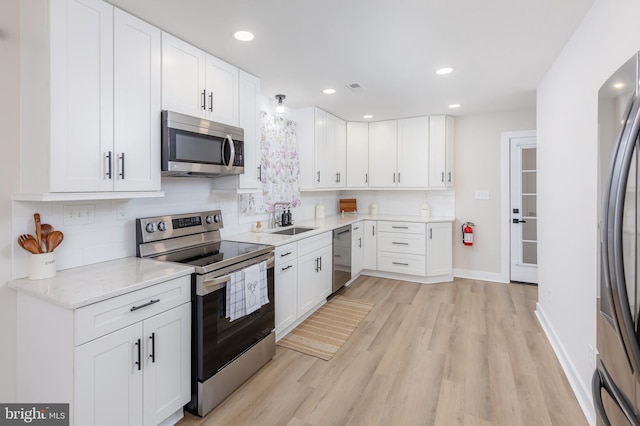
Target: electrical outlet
(483, 194)
(79, 214)
(122, 212)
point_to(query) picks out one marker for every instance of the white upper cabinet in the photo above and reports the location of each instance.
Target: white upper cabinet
(198, 84)
(441, 158)
(95, 92)
(249, 120)
(357, 155)
(136, 103)
(413, 152)
(383, 141)
(330, 147)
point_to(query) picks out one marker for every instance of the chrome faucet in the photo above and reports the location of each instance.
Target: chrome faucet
(275, 218)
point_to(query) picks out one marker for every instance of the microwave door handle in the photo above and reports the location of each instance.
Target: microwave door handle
(232, 150)
(613, 236)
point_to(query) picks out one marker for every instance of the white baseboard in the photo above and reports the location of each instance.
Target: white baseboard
(582, 393)
(478, 275)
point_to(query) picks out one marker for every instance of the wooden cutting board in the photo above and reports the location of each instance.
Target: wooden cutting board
(348, 205)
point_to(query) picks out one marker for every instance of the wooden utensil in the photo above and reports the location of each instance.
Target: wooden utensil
(29, 243)
(45, 229)
(36, 218)
(53, 240)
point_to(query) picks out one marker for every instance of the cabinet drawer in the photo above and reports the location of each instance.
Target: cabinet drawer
(310, 244)
(356, 229)
(404, 227)
(104, 317)
(402, 243)
(286, 253)
(402, 263)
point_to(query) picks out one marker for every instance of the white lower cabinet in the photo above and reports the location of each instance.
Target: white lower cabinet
(357, 248)
(402, 247)
(370, 254)
(122, 361)
(315, 273)
(286, 286)
(439, 249)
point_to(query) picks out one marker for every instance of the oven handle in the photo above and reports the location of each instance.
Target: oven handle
(209, 285)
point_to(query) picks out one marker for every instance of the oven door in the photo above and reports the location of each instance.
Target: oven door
(216, 340)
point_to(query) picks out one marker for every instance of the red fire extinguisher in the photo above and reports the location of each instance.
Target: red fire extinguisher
(467, 233)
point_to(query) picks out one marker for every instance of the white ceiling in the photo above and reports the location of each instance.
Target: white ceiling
(499, 49)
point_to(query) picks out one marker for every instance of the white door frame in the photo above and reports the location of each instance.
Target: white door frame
(505, 209)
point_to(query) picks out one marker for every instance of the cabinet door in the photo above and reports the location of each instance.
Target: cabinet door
(308, 271)
(167, 363)
(323, 282)
(136, 104)
(357, 248)
(437, 151)
(321, 149)
(339, 149)
(439, 249)
(449, 142)
(183, 77)
(357, 155)
(249, 120)
(413, 152)
(81, 95)
(383, 137)
(222, 91)
(108, 382)
(286, 276)
(370, 255)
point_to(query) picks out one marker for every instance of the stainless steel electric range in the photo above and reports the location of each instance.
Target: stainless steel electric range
(224, 353)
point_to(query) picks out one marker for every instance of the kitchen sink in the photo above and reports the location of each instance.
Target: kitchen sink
(293, 231)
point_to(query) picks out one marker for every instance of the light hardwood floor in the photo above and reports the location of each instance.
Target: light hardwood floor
(462, 353)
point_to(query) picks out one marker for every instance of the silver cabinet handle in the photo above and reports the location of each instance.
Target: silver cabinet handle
(400, 227)
(122, 166)
(260, 173)
(149, 303)
(399, 243)
(285, 254)
(211, 101)
(398, 177)
(442, 176)
(337, 177)
(449, 177)
(359, 242)
(366, 178)
(204, 100)
(288, 267)
(400, 263)
(394, 178)
(431, 233)
(109, 162)
(318, 176)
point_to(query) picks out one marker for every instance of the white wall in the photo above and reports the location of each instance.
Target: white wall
(10, 131)
(478, 167)
(567, 171)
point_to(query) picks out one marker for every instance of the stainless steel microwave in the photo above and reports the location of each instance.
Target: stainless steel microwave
(194, 147)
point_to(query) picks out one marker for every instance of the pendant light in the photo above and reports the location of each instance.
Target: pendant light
(280, 109)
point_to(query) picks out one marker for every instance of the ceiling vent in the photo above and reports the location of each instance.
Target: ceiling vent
(356, 87)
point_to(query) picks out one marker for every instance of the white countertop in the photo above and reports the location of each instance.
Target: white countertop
(77, 287)
(323, 225)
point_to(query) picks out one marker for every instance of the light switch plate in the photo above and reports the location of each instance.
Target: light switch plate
(483, 194)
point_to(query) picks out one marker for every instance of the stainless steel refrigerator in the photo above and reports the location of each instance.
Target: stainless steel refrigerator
(615, 384)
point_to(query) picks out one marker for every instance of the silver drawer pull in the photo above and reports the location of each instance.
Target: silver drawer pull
(285, 254)
(399, 263)
(149, 303)
(400, 227)
(400, 244)
(288, 267)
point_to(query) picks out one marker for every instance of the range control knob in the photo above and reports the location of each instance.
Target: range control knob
(162, 226)
(217, 218)
(209, 219)
(151, 227)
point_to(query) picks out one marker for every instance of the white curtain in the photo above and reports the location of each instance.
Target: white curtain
(280, 166)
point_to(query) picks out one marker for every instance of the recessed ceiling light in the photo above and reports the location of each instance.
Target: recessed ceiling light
(618, 85)
(243, 35)
(367, 116)
(454, 106)
(329, 91)
(445, 70)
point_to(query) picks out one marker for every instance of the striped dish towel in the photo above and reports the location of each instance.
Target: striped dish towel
(235, 292)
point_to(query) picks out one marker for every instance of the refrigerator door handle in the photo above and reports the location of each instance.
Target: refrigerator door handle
(613, 234)
(602, 380)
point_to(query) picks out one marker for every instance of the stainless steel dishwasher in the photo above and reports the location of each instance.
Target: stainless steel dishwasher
(341, 257)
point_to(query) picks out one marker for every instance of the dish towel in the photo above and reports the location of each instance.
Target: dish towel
(235, 296)
(247, 292)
